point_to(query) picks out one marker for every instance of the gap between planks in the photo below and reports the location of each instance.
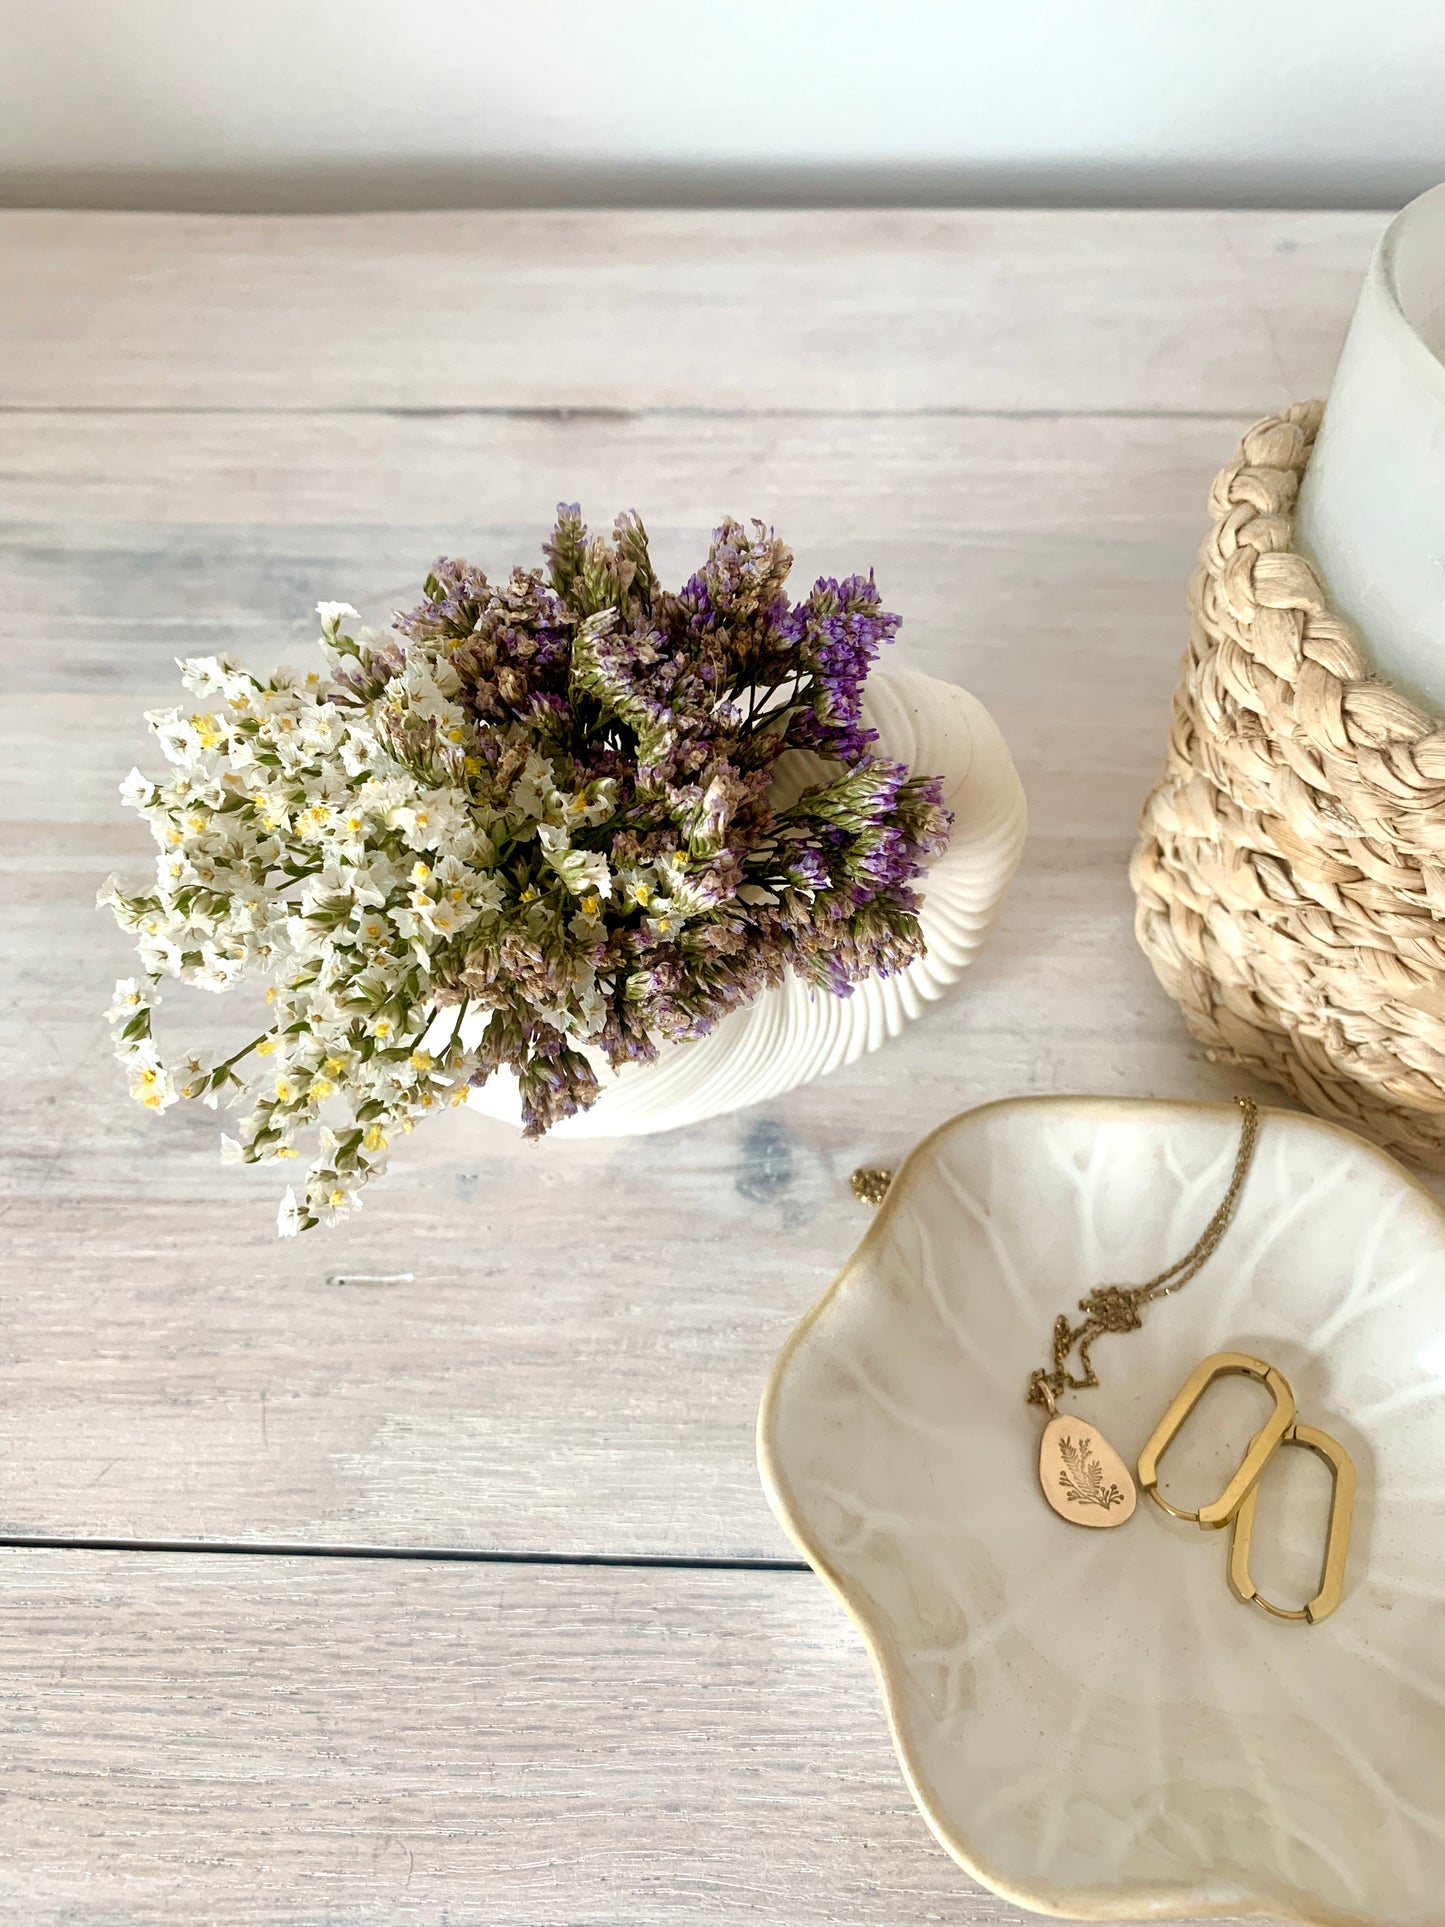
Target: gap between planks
(446, 1555)
(561, 412)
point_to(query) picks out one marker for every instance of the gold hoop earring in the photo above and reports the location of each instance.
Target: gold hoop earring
(1337, 1537)
(1219, 1365)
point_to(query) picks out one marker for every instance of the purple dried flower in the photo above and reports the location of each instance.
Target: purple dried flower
(680, 705)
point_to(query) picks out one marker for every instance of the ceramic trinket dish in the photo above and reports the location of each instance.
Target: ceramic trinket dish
(1092, 1725)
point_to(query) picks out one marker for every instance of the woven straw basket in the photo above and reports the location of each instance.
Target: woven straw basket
(1290, 872)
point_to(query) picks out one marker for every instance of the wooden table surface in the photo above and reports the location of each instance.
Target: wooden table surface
(625, 1703)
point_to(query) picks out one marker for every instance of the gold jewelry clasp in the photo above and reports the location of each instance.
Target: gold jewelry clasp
(1337, 1540)
(1219, 1365)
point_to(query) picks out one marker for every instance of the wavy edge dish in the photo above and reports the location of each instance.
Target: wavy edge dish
(1084, 1904)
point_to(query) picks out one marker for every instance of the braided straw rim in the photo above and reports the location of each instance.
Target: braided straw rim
(1290, 872)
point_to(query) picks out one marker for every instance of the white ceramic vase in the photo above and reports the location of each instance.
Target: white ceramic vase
(792, 1034)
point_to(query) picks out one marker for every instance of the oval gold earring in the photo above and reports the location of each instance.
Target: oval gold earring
(1219, 1365)
(1337, 1538)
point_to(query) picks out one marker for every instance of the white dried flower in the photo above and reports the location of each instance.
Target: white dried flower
(297, 852)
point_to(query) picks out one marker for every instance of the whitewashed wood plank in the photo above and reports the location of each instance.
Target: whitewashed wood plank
(839, 481)
(859, 310)
(575, 1357)
(236, 1741)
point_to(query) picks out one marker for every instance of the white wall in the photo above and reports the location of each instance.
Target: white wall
(401, 103)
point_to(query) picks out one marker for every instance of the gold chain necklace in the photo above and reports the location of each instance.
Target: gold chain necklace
(1083, 1477)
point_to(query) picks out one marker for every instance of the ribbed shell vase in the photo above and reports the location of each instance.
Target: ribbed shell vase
(792, 1034)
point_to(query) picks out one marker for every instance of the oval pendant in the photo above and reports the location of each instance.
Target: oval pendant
(1083, 1477)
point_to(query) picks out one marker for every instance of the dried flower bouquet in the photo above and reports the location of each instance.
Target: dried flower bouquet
(532, 825)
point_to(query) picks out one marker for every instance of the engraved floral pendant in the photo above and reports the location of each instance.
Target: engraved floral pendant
(1083, 1477)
